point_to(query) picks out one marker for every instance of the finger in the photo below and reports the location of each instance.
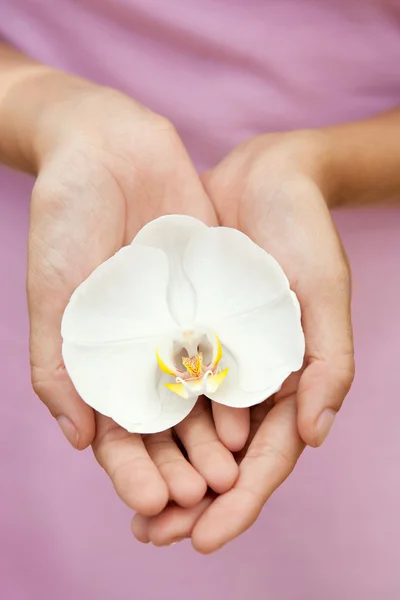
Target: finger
(322, 390)
(124, 458)
(206, 452)
(140, 527)
(327, 326)
(232, 425)
(257, 416)
(172, 525)
(271, 457)
(55, 390)
(186, 486)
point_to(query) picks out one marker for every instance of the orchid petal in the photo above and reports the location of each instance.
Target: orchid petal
(264, 342)
(118, 380)
(243, 294)
(122, 381)
(230, 393)
(110, 331)
(174, 409)
(231, 274)
(172, 234)
(123, 299)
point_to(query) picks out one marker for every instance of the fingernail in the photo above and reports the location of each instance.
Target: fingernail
(324, 424)
(177, 540)
(69, 430)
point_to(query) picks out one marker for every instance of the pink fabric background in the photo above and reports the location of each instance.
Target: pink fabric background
(223, 71)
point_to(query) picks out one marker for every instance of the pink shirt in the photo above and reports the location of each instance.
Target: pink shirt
(222, 71)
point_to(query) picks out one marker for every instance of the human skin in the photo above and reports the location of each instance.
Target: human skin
(105, 166)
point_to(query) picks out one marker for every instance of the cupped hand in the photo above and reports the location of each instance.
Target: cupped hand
(274, 188)
(106, 166)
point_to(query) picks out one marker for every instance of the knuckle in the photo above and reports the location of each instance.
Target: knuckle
(119, 472)
(266, 452)
(108, 439)
(205, 444)
(171, 462)
(158, 441)
(346, 374)
(129, 478)
(44, 381)
(39, 389)
(254, 499)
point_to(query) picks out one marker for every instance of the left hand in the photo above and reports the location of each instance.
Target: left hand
(274, 189)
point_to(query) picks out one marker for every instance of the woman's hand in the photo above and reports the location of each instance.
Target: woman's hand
(106, 166)
(274, 189)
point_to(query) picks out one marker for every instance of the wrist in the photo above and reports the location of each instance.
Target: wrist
(306, 154)
(80, 114)
(54, 99)
(16, 110)
(320, 164)
(30, 93)
(364, 161)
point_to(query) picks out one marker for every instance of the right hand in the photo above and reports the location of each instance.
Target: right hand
(106, 166)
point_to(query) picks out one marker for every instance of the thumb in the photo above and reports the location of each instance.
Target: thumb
(329, 370)
(322, 390)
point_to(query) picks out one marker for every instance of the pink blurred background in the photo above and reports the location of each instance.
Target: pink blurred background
(222, 71)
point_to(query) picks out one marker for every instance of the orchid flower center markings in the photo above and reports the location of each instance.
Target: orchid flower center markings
(194, 374)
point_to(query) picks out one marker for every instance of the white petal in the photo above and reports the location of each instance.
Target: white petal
(244, 296)
(173, 410)
(125, 298)
(265, 342)
(124, 382)
(111, 329)
(296, 304)
(231, 394)
(231, 275)
(172, 234)
(119, 380)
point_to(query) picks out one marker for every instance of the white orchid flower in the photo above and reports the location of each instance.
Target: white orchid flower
(184, 310)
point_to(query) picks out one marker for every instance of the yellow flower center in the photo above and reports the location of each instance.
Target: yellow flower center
(199, 376)
(193, 364)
